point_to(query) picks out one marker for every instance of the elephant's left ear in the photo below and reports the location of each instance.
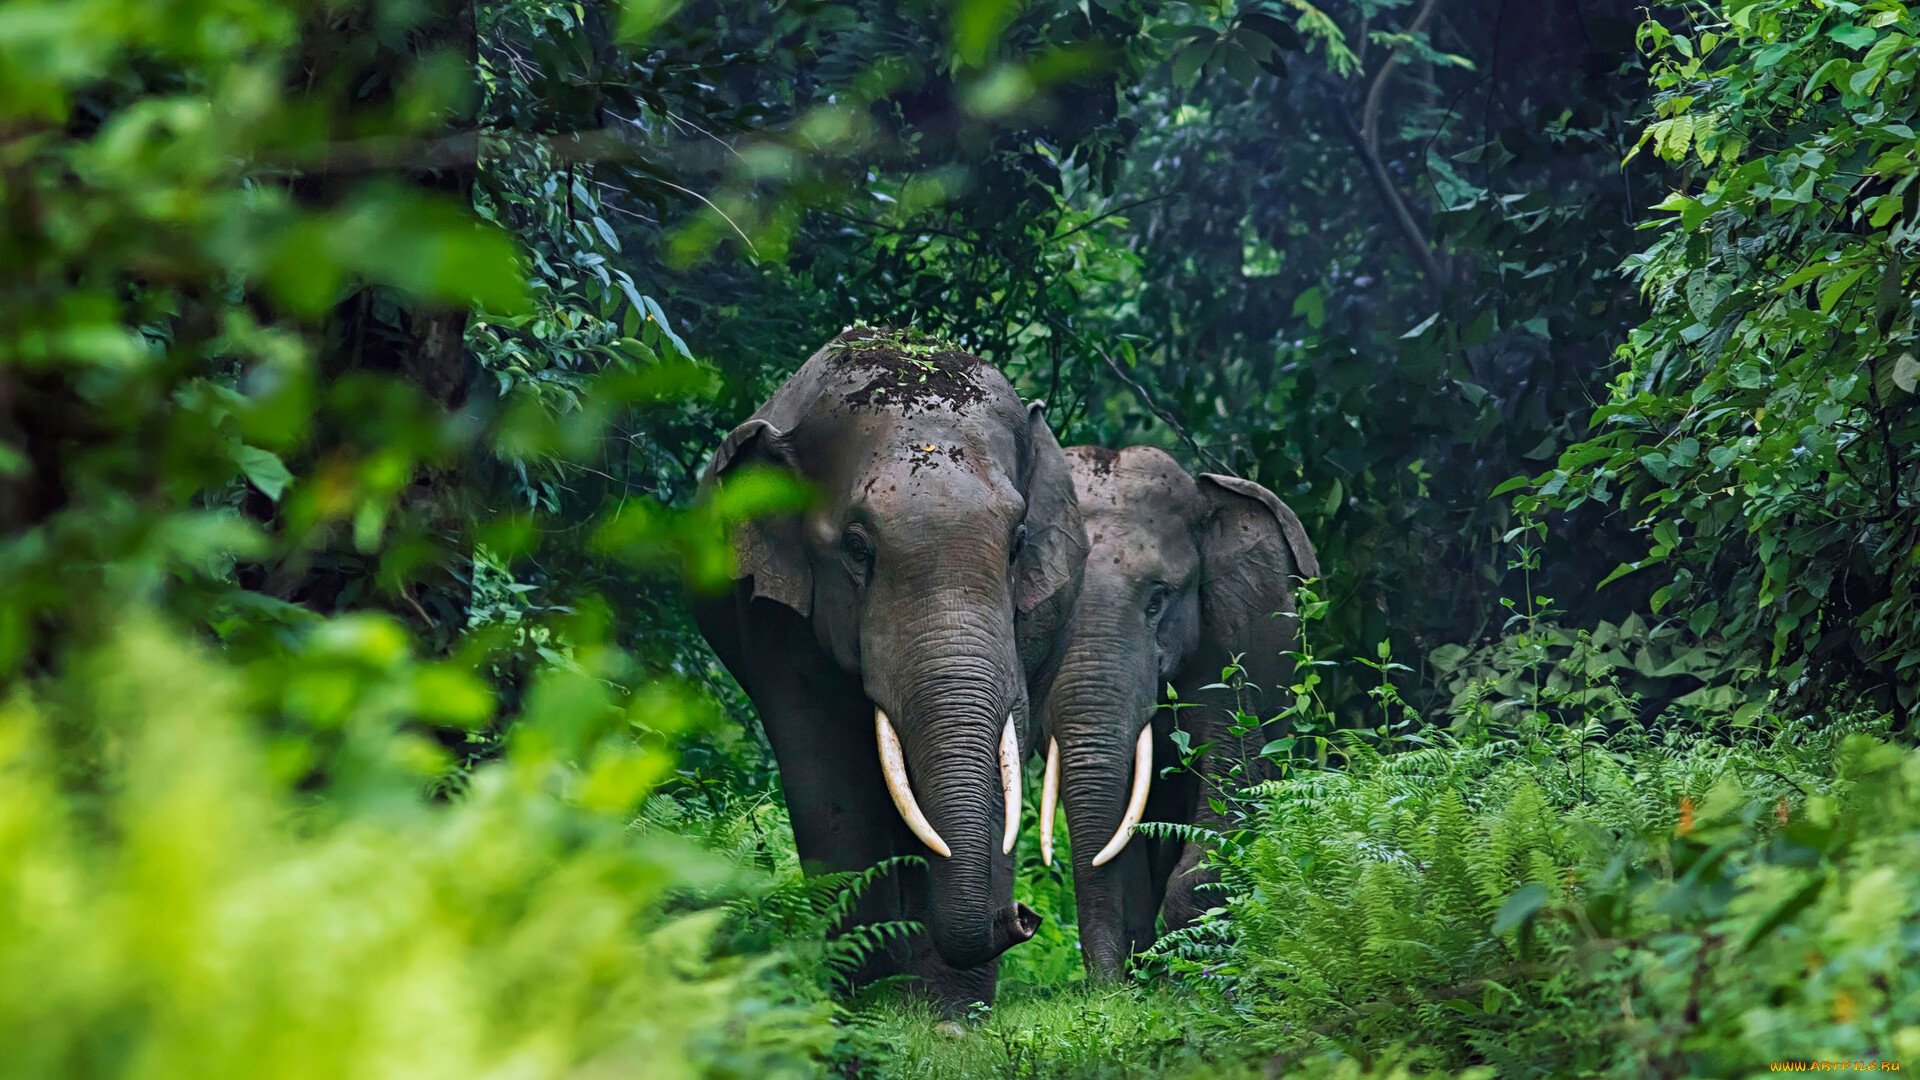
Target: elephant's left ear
(1252, 546)
(1056, 540)
(769, 550)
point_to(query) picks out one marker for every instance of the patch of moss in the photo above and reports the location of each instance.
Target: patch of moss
(908, 370)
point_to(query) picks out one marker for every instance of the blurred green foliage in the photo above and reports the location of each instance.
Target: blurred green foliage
(188, 908)
(262, 626)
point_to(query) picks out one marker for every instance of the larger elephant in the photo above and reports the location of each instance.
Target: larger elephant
(1182, 576)
(892, 636)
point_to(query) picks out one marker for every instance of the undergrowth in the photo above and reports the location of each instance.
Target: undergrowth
(1539, 883)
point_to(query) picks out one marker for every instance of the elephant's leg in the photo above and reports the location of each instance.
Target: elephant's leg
(1117, 903)
(950, 990)
(1171, 800)
(820, 725)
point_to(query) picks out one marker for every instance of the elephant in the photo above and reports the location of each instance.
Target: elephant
(892, 636)
(1181, 576)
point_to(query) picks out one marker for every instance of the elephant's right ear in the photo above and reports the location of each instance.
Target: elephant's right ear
(767, 549)
(1251, 545)
(1056, 540)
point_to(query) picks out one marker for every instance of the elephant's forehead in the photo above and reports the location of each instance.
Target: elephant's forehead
(927, 469)
(876, 452)
(1139, 506)
(1131, 483)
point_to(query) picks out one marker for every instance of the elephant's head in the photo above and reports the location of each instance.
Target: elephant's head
(944, 519)
(1181, 575)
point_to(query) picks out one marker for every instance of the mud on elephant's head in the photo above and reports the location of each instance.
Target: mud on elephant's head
(1182, 575)
(936, 563)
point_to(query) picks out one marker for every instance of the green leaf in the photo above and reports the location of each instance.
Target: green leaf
(1830, 295)
(1619, 572)
(1447, 658)
(976, 26)
(1853, 37)
(606, 232)
(1278, 746)
(1906, 372)
(1783, 912)
(265, 470)
(1525, 900)
(1239, 63)
(1805, 274)
(1187, 63)
(1312, 303)
(640, 18)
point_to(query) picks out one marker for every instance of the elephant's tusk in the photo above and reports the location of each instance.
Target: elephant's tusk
(894, 765)
(1010, 783)
(1049, 798)
(1137, 802)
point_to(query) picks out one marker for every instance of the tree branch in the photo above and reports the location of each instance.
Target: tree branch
(1166, 417)
(1410, 230)
(1376, 94)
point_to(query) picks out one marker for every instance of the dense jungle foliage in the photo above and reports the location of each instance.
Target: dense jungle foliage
(358, 359)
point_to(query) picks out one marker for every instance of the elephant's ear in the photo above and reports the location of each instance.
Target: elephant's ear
(1056, 541)
(1251, 546)
(767, 549)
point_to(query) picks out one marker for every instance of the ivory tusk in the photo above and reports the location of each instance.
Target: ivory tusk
(1049, 798)
(1010, 783)
(1137, 802)
(894, 765)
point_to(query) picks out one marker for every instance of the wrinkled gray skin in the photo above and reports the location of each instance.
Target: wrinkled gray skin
(930, 578)
(1181, 575)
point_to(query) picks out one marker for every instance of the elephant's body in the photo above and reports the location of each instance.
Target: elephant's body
(929, 579)
(1181, 576)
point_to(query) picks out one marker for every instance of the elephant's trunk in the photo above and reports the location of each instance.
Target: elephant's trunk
(1102, 701)
(949, 683)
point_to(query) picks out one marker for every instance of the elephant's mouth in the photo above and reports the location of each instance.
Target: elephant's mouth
(1136, 799)
(1017, 924)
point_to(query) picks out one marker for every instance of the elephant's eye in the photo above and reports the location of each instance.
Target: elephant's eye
(1019, 542)
(855, 543)
(1156, 601)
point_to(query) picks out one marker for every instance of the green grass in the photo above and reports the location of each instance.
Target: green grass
(1077, 1032)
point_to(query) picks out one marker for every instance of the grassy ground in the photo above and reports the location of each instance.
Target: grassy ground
(1081, 1031)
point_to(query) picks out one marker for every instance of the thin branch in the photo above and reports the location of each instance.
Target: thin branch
(426, 619)
(1166, 417)
(678, 119)
(1376, 94)
(1410, 230)
(715, 209)
(1111, 213)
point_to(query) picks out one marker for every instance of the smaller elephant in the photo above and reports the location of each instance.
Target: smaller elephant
(1182, 575)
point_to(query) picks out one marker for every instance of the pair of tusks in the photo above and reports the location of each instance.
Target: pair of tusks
(893, 765)
(1136, 801)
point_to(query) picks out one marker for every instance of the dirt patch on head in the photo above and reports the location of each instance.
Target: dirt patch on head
(908, 370)
(1099, 459)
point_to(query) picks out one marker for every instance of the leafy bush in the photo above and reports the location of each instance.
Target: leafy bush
(1762, 432)
(1551, 885)
(248, 826)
